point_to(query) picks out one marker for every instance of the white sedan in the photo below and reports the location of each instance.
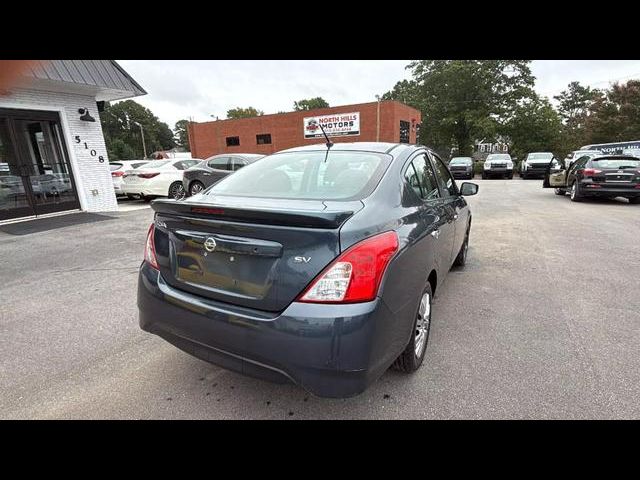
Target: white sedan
(158, 178)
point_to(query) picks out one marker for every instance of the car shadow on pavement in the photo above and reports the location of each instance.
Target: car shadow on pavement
(51, 223)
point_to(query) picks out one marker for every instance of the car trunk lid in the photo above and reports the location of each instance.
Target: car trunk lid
(256, 253)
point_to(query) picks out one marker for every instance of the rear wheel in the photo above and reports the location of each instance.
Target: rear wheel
(575, 192)
(411, 359)
(559, 191)
(177, 191)
(510, 177)
(634, 200)
(195, 187)
(132, 197)
(484, 176)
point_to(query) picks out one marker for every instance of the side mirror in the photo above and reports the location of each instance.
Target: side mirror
(467, 189)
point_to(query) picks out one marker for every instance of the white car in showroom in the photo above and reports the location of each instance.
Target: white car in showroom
(158, 178)
(119, 168)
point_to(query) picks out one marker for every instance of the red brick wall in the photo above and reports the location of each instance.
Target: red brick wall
(286, 129)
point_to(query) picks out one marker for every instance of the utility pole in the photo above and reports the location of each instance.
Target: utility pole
(378, 120)
(144, 147)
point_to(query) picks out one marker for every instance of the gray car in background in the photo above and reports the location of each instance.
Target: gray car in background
(311, 265)
(461, 167)
(214, 169)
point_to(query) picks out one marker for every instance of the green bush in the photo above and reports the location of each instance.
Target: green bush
(478, 167)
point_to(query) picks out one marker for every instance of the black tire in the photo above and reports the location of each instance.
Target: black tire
(409, 361)
(560, 191)
(484, 177)
(196, 187)
(510, 177)
(575, 192)
(523, 176)
(634, 200)
(461, 259)
(130, 196)
(146, 199)
(176, 191)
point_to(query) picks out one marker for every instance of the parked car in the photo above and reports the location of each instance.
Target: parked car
(325, 282)
(498, 165)
(535, 165)
(461, 167)
(117, 172)
(158, 178)
(573, 156)
(215, 168)
(606, 176)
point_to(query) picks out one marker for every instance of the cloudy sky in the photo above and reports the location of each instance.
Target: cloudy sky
(197, 89)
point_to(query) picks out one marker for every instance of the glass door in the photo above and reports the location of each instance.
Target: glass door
(48, 172)
(14, 191)
(35, 173)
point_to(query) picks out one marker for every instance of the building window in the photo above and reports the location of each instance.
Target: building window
(233, 141)
(404, 131)
(263, 139)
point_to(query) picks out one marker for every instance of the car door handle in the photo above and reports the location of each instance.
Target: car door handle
(435, 233)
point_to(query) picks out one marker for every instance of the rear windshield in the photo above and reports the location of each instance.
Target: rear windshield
(540, 156)
(156, 164)
(114, 166)
(306, 175)
(616, 163)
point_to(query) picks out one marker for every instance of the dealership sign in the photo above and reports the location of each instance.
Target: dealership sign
(335, 125)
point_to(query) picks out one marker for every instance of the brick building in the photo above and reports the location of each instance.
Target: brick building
(385, 121)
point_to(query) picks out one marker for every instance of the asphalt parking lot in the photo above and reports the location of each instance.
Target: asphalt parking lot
(543, 322)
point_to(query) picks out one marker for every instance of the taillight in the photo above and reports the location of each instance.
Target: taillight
(150, 249)
(117, 174)
(356, 274)
(148, 175)
(590, 172)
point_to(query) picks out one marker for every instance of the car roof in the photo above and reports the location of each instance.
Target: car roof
(382, 147)
(535, 153)
(614, 157)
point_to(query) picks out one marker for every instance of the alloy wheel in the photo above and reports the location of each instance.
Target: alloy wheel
(196, 188)
(177, 191)
(422, 324)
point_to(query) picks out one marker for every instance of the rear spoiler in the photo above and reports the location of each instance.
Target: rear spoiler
(206, 211)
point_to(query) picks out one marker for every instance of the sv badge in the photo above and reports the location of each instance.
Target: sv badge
(301, 259)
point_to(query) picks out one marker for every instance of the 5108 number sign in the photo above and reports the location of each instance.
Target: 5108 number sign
(92, 152)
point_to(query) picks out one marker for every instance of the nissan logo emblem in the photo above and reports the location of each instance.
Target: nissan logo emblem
(210, 244)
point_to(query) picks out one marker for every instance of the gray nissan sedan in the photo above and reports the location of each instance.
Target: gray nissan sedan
(314, 265)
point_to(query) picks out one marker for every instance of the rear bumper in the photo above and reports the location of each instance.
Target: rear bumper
(142, 189)
(588, 190)
(326, 349)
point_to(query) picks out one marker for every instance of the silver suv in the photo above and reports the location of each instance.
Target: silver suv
(498, 165)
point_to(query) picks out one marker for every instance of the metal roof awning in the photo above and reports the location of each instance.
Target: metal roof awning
(104, 79)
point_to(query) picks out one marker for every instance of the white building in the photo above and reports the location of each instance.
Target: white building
(52, 152)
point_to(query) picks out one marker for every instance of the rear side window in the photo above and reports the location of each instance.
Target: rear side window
(616, 163)
(306, 175)
(220, 163)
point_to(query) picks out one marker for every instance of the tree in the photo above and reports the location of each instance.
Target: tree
(464, 100)
(240, 112)
(574, 105)
(535, 126)
(122, 134)
(310, 104)
(615, 116)
(181, 136)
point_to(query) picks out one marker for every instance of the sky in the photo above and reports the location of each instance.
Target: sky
(198, 89)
